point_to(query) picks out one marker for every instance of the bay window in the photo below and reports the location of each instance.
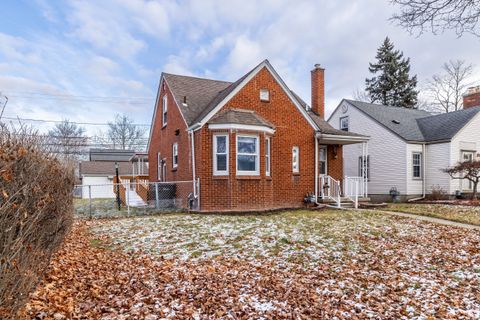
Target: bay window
(247, 155)
(267, 156)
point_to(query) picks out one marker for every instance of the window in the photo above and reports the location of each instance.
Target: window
(164, 170)
(247, 155)
(344, 123)
(220, 155)
(323, 160)
(267, 156)
(417, 165)
(364, 167)
(164, 110)
(295, 159)
(468, 156)
(175, 155)
(264, 95)
(159, 167)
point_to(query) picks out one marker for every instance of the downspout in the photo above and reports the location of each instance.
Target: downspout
(194, 175)
(316, 169)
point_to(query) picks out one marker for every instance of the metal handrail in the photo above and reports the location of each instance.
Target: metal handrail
(331, 189)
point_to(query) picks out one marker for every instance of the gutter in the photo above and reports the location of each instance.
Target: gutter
(194, 174)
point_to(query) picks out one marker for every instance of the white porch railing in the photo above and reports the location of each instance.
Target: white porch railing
(353, 188)
(330, 189)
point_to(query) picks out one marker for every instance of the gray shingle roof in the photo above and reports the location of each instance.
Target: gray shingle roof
(199, 92)
(240, 116)
(110, 154)
(445, 126)
(417, 125)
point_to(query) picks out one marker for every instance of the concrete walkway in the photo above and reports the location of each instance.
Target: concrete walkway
(429, 219)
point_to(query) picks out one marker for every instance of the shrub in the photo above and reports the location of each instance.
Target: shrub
(438, 193)
(36, 212)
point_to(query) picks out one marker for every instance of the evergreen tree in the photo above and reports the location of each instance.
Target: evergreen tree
(391, 84)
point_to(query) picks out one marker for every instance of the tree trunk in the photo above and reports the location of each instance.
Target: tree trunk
(474, 193)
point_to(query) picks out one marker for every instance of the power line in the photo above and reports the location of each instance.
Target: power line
(61, 121)
(78, 96)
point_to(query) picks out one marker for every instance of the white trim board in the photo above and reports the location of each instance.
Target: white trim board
(245, 127)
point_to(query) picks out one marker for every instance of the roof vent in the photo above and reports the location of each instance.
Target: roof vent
(396, 121)
(184, 101)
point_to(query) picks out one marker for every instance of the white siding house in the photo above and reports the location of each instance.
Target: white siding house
(408, 149)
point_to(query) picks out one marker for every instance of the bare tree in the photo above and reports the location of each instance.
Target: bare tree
(439, 15)
(469, 170)
(124, 134)
(67, 138)
(361, 95)
(444, 90)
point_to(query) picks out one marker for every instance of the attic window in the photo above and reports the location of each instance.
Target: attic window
(396, 121)
(264, 95)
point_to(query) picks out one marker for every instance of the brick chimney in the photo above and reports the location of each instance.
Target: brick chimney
(318, 90)
(471, 98)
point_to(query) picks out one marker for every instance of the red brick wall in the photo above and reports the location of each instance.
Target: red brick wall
(163, 138)
(335, 162)
(318, 91)
(283, 188)
(471, 100)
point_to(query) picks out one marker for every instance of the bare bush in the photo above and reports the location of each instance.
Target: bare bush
(36, 212)
(438, 193)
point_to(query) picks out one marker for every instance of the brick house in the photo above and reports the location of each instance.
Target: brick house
(252, 144)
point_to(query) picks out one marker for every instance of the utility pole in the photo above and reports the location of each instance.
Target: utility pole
(118, 186)
(4, 105)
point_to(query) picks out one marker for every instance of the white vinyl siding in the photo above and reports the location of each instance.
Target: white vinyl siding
(220, 155)
(437, 158)
(386, 151)
(467, 139)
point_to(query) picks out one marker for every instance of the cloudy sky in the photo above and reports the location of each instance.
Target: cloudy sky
(88, 60)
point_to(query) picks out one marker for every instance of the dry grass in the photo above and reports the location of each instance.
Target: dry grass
(464, 214)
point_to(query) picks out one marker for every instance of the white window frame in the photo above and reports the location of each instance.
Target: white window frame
(256, 172)
(164, 170)
(175, 154)
(215, 153)
(268, 168)
(324, 148)
(295, 151)
(266, 92)
(164, 110)
(466, 184)
(420, 165)
(342, 122)
(159, 167)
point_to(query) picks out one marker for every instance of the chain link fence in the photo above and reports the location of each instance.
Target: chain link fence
(130, 198)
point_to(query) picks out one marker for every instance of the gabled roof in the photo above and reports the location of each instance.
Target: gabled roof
(240, 116)
(416, 125)
(445, 126)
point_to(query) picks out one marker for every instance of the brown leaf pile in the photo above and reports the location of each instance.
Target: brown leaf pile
(89, 280)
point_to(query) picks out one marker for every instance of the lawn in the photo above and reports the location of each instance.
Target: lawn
(465, 214)
(326, 264)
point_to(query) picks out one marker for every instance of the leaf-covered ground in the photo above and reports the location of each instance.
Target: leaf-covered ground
(302, 265)
(458, 213)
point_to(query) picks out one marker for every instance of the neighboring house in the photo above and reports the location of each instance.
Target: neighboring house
(252, 144)
(99, 171)
(408, 148)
